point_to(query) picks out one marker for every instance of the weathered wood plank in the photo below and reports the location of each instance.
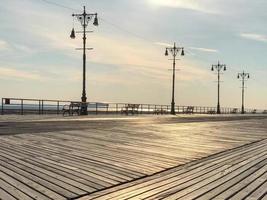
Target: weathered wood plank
(219, 176)
(102, 154)
(25, 185)
(13, 192)
(5, 195)
(249, 189)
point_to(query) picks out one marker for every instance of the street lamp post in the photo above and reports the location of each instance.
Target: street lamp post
(243, 76)
(84, 18)
(174, 51)
(218, 67)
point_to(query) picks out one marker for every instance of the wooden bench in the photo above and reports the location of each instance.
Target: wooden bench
(74, 108)
(189, 110)
(160, 111)
(212, 112)
(254, 111)
(130, 108)
(234, 111)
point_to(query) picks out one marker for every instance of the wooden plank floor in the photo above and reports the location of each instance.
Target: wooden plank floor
(75, 158)
(239, 173)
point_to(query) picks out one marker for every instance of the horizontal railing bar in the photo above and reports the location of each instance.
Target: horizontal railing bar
(48, 105)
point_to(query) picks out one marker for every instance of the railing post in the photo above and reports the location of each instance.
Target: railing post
(39, 111)
(21, 108)
(2, 107)
(42, 107)
(58, 107)
(107, 109)
(117, 108)
(166, 109)
(96, 110)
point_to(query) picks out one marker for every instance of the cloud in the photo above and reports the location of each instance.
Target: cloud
(23, 48)
(204, 49)
(163, 44)
(254, 36)
(194, 73)
(193, 48)
(18, 74)
(147, 62)
(3, 45)
(195, 5)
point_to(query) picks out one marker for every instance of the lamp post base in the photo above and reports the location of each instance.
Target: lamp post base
(172, 108)
(218, 109)
(84, 108)
(242, 110)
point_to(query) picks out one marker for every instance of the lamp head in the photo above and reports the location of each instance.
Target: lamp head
(166, 52)
(96, 20)
(72, 35)
(182, 53)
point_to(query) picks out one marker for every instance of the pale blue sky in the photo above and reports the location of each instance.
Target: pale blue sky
(38, 60)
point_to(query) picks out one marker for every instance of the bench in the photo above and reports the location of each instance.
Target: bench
(212, 112)
(130, 108)
(160, 111)
(189, 110)
(254, 111)
(264, 112)
(234, 111)
(72, 109)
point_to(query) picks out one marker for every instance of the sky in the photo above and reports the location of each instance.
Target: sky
(127, 64)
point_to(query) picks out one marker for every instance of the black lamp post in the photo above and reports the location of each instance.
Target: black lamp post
(174, 51)
(218, 68)
(84, 18)
(243, 76)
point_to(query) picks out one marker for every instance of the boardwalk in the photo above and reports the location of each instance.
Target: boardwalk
(143, 157)
(235, 174)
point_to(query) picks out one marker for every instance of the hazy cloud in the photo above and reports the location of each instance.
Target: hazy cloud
(254, 36)
(163, 44)
(18, 74)
(196, 5)
(204, 49)
(3, 45)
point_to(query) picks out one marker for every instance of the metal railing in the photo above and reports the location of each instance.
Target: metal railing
(44, 106)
